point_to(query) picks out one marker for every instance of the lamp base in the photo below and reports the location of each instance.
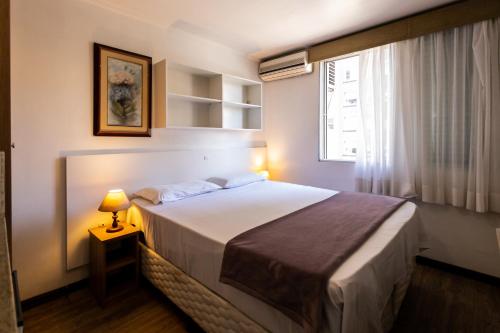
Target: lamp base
(114, 229)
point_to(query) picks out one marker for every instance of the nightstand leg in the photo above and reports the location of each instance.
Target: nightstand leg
(98, 270)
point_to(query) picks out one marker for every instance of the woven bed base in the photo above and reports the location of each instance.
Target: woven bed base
(207, 309)
(213, 313)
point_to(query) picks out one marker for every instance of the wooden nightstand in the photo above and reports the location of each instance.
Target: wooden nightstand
(114, 261)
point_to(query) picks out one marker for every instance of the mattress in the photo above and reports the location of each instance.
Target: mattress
(192, 233)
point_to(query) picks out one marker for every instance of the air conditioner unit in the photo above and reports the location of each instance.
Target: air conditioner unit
(291, 65)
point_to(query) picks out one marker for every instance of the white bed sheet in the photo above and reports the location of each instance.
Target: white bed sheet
(192, 233)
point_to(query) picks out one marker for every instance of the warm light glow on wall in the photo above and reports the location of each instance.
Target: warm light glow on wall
(275, 163)
(134, 216)
(258, 163)
(260, 166)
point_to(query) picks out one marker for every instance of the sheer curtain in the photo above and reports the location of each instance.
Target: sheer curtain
(430, 114)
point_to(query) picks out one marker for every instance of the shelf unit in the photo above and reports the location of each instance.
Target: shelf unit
(187, 97)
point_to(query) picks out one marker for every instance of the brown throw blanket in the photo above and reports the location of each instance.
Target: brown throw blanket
(287, 262)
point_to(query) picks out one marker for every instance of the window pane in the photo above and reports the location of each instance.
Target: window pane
(341, 114)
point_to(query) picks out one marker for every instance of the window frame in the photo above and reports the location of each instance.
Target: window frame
(323, 114)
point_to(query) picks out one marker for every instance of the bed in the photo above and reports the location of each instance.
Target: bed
(184, 246)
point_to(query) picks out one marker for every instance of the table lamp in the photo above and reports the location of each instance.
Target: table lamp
(264, 173)
(114, 201)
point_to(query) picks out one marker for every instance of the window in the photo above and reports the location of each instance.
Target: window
(340, 109)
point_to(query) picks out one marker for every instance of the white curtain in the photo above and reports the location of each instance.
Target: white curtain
(430, 114)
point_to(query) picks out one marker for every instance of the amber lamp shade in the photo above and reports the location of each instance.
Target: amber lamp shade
(114, 201)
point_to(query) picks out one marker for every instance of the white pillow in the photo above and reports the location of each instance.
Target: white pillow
(173, 192)
(244, 179)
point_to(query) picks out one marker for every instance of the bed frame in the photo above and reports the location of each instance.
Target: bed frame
(209, 310)
(215, 314)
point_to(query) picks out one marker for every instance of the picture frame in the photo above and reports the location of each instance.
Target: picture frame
(122, 92)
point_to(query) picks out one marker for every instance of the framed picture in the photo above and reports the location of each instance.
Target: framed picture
(122, 92)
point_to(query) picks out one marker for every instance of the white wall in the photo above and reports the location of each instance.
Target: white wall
(456, 236)
(291, 118)
(52, 115)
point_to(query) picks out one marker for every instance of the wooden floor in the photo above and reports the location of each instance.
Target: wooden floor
(437, 301)
(142, 311)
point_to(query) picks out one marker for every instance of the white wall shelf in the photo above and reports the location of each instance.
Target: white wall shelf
(192, 98)
(213, 128)
(242, 105)
(242, 91)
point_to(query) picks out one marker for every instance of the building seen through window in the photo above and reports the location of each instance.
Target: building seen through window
(340, 114)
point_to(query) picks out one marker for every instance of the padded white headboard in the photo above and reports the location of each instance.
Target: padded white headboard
(89, 177)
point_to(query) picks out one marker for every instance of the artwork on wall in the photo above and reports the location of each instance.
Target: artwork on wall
(122, 92)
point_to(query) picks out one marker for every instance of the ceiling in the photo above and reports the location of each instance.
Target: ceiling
(260, 28)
